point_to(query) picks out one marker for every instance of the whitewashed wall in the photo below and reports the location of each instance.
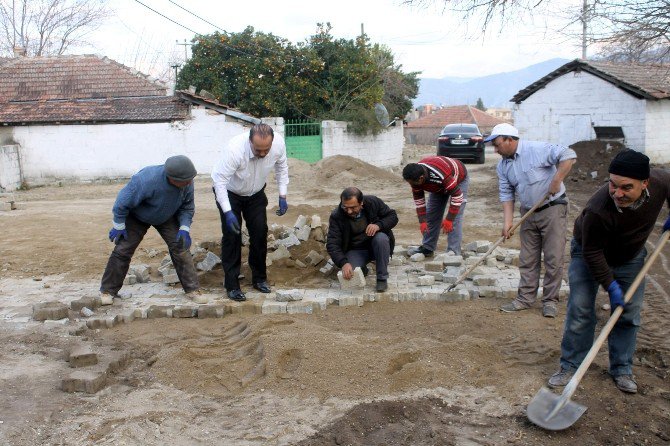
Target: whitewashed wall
(381, 150)
(573, 99)
(10, 169)
(87, 152)
(657, 130)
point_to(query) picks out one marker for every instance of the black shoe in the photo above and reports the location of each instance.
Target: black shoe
(263, 287)
(236, 295)
(420, 249)
(382, 285)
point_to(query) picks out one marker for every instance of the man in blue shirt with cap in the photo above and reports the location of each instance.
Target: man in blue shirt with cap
(529, 170)
(159, 196)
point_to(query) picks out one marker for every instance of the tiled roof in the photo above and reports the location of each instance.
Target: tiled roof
(644, 81)
(72, 77)
(78, 89)
(458, 114)
(146, 109)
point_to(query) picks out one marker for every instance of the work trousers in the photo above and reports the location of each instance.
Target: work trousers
(253, 210)
(119, 260)
(580, 319)
(542, 232)
(379, 251)
(435, 208)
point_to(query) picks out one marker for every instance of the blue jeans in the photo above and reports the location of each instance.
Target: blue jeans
(580, 320)
(437, 204)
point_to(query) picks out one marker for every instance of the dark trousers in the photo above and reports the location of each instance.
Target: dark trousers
(119, 261)
(253, 210)
(380, 252)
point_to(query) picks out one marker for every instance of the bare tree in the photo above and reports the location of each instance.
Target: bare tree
(48, 27)
(606, 23)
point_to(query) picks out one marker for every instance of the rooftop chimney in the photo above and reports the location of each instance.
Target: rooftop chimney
(19, 51)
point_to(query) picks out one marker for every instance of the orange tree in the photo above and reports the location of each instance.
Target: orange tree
(320, 78)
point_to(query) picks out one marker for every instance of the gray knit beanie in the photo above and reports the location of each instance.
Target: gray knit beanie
(180, 168)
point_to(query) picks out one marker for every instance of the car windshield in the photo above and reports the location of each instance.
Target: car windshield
(460, 129)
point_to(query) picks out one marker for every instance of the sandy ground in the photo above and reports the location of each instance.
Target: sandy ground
(381, 374)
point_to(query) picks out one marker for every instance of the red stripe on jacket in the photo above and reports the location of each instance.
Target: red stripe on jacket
(444, 176)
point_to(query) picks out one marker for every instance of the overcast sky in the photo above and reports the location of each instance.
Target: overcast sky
(437, 43)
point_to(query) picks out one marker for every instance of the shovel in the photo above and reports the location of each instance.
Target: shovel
(554, 412)
(495, 245)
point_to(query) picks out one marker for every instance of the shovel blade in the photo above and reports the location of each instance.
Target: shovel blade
(543, 403)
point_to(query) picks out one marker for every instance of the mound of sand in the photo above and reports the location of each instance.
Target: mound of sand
(593, 156)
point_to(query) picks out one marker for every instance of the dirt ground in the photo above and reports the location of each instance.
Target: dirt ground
(406, 373)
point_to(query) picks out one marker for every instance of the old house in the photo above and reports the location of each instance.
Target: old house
(87, 117)
(584, 100)
(426, 129)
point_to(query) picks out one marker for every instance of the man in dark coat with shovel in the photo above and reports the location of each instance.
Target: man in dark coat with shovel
(608, 250)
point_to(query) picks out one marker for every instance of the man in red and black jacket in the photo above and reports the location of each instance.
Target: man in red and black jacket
(447, 181)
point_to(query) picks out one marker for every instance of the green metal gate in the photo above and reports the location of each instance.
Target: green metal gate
(303, 139)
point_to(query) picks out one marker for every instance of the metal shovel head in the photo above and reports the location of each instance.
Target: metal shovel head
(543, 403)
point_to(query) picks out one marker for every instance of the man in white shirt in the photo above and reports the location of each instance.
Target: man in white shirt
(239, 187)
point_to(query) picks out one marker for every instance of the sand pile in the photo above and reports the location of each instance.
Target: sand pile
(593, 156)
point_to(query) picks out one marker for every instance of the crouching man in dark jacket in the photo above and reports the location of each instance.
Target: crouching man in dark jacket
(359, 231)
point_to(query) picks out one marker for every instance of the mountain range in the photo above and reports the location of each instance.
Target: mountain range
(495, 90)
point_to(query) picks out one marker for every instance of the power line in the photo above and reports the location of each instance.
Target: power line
(166, 17)
(196, 15)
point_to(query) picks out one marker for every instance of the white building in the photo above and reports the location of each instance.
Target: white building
(585, 100)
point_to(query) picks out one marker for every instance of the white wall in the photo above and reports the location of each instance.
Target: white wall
(381, 150)
(658, 131)
(87, 152)
(10, 169)
(570, 97)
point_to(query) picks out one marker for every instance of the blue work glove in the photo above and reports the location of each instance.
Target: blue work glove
(283, 206)
(666, 225)
(115, 235)
(231, 222)
(184, 237)
(616, 295)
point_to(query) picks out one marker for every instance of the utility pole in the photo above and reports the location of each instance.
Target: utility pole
(176, 67)
(585, 20)
(362, 30)
(186, 45)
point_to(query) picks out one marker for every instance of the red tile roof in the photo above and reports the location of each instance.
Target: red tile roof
(81, 89)
(79, 111)
(457, 114)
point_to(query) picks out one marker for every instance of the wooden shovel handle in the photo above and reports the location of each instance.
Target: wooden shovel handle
(497, 243)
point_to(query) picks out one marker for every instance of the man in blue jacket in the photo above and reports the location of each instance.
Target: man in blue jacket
(162, 197)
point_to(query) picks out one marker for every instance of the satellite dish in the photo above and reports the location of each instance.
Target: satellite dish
(382, 114)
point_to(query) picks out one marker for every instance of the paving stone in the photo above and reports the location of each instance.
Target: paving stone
(397, 260)
(185, 311)
(246, 307)
(303, 233)
(328, 268)
(117, 361)
(130, 279)
(318, 234)
(448, 260)
(484, 281)
(96, 323)
(167, 260)
(53, 311)
(5, 206)
(480, 246)
(86, 301)
(300, 264)
(209, 262)
(141, 272)
(418, 257)
(399, 250)
(451, 274)
(433, 266)
(509, 293)
(106, 299)
(300, 222)
(299, 308)
(170, 277)
(273, 307)
(82, 356)
(130, 316)
(289, 295)
(314, 258)
(86, 312)
(291, 240)
(426, 280)
(84, 381)
(210, 311)
(491, 261)
(356, 282)
(159, 311)
(316, 222)
(348, 301)
(281, 252)
(113, 321)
